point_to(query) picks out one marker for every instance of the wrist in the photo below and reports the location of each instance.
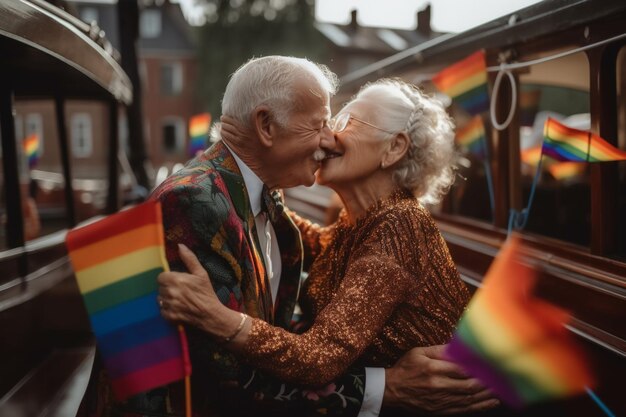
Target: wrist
(219, 321)
(237, 331)
(390, 396)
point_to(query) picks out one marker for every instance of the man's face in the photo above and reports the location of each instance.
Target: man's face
(298, 145)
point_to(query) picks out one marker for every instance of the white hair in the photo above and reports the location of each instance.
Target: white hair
(271, 81)
(428, 168)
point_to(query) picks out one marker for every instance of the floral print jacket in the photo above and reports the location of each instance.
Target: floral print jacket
(206, 207)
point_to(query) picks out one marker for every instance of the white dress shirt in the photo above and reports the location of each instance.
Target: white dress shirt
(264, 228)
(374, 377)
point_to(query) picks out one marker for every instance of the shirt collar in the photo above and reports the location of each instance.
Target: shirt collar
(253, 183)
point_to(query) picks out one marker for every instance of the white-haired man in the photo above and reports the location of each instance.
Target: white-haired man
(219, 207)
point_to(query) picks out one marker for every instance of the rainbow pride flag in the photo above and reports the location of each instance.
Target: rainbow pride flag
(562, 143)
(559, 170)
(116, 261)
(566, 170)
(472, 137)
(514, 343)
(466, 82)
(199, 132)
(31, 149)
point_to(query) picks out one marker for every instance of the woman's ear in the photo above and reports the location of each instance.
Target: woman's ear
(263, 125)
(398, 147)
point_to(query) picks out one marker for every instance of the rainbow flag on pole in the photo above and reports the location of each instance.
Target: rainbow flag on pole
(116, 261)
(562, 143)
(472, 137)
(199, 133)
(514, 343)
(31, 149)
(466, 82)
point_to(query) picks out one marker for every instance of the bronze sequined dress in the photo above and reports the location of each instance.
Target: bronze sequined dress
(375, 290)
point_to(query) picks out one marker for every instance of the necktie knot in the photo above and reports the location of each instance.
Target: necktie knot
(272, 203)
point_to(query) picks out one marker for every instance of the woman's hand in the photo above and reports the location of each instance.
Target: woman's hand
(190, 298)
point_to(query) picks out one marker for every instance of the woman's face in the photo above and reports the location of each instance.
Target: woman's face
(358, 149)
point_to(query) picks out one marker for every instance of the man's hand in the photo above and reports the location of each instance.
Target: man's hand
(422, 381)
(190, 298)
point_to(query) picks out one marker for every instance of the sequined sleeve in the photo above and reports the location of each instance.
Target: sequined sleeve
(314, 236)
(374, 284)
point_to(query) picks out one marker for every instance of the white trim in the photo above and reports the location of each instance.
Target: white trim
(81, 134)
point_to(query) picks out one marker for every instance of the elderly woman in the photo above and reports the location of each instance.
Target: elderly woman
(381, 280)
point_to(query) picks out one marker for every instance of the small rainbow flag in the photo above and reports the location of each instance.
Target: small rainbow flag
(31, 149)
(514, 343)
(199, 132)
(562, 143)
(117, 261)
(466, 82)
(559, 170)
(472, 137)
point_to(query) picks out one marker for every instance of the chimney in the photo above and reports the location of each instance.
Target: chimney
(353, 23)
(423, 22)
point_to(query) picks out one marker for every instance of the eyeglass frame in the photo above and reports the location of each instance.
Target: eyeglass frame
(333, 122)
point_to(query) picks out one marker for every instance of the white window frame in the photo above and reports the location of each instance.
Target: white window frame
(86, 150)
(150, 24)
(177, 77)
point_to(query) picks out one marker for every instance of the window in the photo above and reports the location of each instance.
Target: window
(34, 124)
(3, 208)
(557, 89)
(81, 135)
(173, 129)
(150, 24)
(122, 133)
(621, 140)
(89, 15)
(171, 78)
(470, 195)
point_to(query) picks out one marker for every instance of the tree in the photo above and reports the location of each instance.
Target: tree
(237, 30)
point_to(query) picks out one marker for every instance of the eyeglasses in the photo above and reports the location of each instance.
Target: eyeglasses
(339, 123)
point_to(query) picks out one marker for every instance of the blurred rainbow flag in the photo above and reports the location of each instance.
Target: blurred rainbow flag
(514, 343)
(117, 261)
(199, 133)
(31, 149)
(472, 137)
(559, 170)
(562, 143)
(466, 82)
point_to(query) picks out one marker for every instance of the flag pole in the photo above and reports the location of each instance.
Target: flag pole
(599, 402)
(487, 166)
(518, 219)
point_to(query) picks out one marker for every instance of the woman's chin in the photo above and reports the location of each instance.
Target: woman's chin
(321, 179)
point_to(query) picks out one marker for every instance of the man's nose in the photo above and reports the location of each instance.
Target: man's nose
(328, 140)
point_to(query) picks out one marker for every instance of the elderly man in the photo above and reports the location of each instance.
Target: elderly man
(220, 207)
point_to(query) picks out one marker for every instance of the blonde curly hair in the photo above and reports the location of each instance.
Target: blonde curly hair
(428, 168)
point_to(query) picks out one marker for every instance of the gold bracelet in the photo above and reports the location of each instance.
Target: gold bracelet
(244, 317)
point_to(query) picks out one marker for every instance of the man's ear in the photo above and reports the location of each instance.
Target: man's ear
(263, 125)
(398, 147)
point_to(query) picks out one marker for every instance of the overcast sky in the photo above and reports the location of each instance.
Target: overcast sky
(447, 15)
